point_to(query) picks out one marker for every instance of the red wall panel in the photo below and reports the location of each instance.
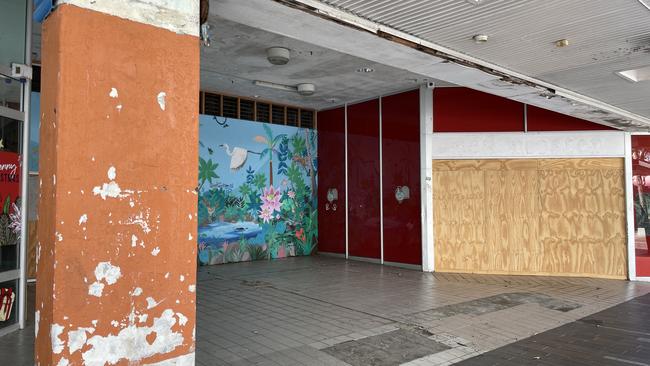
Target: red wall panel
(331, 166)
(401, 167)
(641, 195)
(540, 119)
(363, 180)
(468, 110)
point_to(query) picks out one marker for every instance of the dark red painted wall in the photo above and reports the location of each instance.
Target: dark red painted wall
(331, 166)
(363, 180)
(468, 110)
(544, 120)
(401, 167)
(641, 193)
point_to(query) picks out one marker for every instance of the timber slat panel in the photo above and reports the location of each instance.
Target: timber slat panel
(530, 216)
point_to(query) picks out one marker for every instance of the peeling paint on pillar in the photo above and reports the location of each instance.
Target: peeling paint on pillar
(125, 187)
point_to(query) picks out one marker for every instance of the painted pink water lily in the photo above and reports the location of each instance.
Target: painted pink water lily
(291, 194)
(271, 199)
(266, 214)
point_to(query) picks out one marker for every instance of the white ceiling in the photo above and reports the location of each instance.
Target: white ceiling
(605, 36)
(237, 57)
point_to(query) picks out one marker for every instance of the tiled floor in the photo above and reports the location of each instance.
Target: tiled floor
(617, 336)
(322, 311)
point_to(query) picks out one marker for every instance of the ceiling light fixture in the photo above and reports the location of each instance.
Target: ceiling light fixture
(480, 38)
(365, 69)
(305, 89)
(635, 75)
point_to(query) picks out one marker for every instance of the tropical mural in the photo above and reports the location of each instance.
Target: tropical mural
(257, 191)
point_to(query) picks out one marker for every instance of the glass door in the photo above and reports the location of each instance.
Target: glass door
(15, 35)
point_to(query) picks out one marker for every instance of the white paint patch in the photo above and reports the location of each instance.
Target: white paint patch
(191, 288)
(113, 93)
(178, 16)
(167, 275)
(182, 319)
(37, 320)
(155, 251)
(110, 189)
(112, 173)
(141, 221)
(136, 291)
(54, 179)
(57, 343)
(59, 237)
(63, 362)
(143, 318)
(77, 338)
(182, 278)
(189, 236)
(151, 303)
(107, 271)
(96, 289)
(189, 217)
(161, 100)
(94, 322)
(131, 342)
(134, 240)
(119, 107)
(115, 323)
(83, 219)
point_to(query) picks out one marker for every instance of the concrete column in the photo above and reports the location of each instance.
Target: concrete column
(116, 261)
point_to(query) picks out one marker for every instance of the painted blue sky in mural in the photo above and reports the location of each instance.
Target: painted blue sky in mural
(240, 138)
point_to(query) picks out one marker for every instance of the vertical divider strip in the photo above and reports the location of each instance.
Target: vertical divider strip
(381, 182)
(347, 244)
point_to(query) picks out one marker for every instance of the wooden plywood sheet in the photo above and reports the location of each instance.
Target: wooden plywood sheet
(530, 216)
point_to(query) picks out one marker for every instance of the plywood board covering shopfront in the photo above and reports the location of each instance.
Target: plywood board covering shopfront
(563, 217)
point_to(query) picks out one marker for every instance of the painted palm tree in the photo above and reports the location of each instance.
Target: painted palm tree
(207, 171)
(271, 143)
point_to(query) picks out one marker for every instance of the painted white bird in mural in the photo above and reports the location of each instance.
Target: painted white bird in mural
(238, 156)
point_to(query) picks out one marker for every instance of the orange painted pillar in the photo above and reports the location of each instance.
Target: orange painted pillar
(116, 261)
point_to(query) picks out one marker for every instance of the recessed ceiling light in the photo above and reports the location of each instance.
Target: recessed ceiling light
(477, 2)
(480, 38)
(365, 69)
(635, 75)
(562, 43)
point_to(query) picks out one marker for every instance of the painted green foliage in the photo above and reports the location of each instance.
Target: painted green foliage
(257, 213)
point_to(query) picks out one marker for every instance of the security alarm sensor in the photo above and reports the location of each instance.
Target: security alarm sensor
(21, 71)
(278, 55)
